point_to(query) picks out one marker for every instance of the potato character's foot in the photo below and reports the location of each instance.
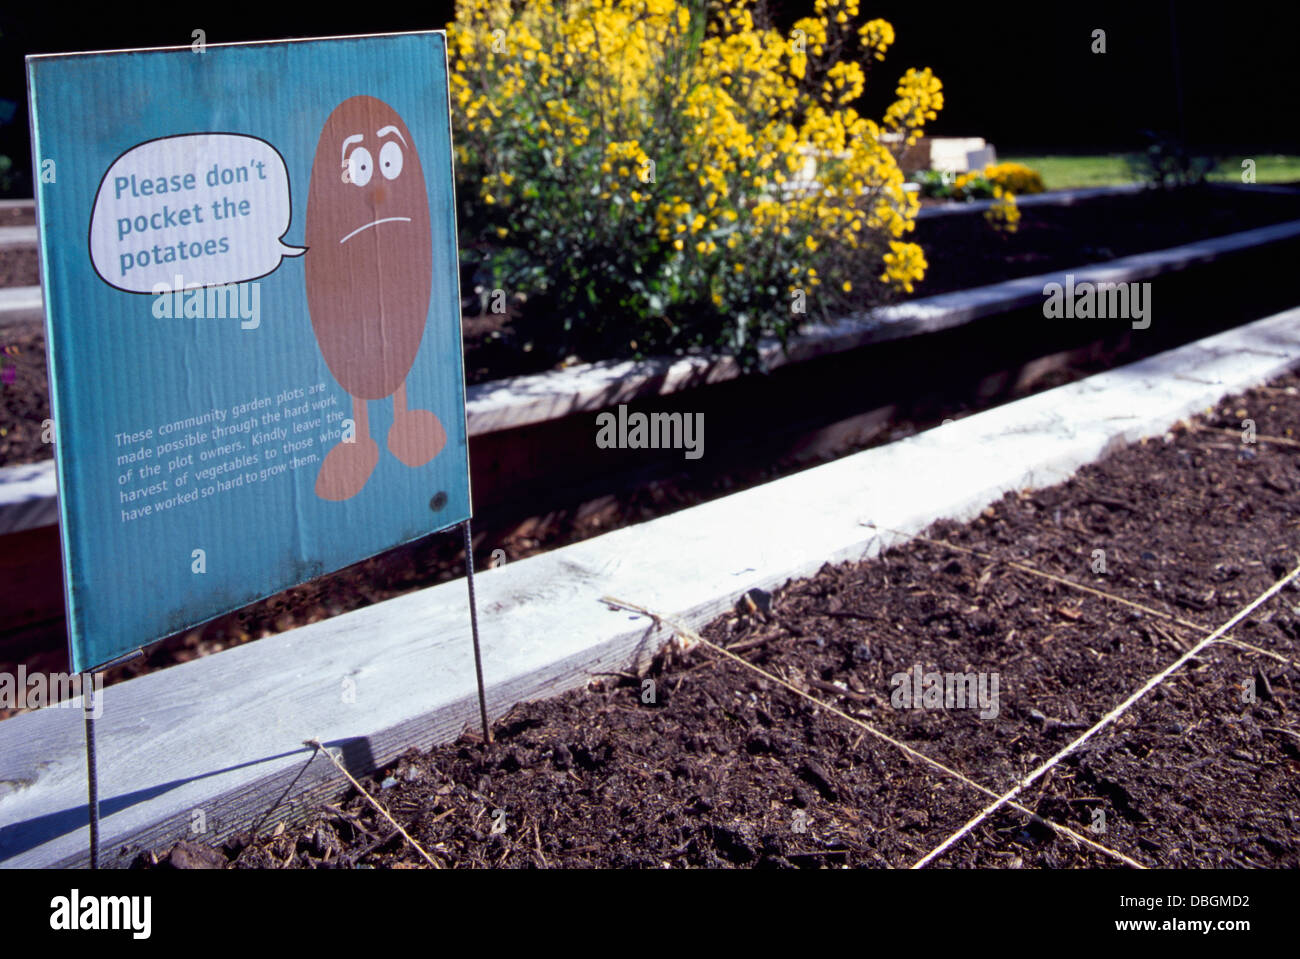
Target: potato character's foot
(346, 469)
(416, 437)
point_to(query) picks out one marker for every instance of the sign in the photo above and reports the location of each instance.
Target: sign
(249, 263)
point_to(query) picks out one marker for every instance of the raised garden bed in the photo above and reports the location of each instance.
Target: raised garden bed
(837, 399)
(544, 627)
(1062, 236)
(965, 254)
(820, 407)
(728, 768)
(962, 250)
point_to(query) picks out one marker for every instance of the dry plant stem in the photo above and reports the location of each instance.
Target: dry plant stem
(1024, 567)
(1279, 440)
(316, 744)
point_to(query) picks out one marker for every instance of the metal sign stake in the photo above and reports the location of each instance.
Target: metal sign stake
(92, 766)
(92, 773)
(473, 625)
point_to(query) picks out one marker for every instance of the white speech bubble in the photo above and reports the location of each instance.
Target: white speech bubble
(209, 206)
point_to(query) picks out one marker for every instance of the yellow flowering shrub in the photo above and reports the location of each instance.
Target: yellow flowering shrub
(971, 184)
(1001, 181)
(1014, 178)
(657, 175)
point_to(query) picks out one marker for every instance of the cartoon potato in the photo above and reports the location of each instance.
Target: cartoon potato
(369, 270)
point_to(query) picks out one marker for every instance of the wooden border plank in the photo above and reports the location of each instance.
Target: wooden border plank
(18, 237)
(21, 304)
(1046, 198)
(28, 496)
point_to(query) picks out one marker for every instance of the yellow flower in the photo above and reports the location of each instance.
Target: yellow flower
(1003, 215)
(904, 264)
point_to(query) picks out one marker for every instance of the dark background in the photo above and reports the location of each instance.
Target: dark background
(1020, 74)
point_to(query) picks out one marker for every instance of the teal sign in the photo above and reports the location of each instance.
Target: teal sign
(249, 265)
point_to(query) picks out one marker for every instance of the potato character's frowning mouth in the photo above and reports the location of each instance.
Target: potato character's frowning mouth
(387, 219)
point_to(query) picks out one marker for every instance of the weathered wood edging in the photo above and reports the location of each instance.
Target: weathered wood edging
(21, 304)
(1046, 198)
(18, 237)
(28, 496)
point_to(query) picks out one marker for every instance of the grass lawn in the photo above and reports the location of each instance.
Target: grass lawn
(1064, 171)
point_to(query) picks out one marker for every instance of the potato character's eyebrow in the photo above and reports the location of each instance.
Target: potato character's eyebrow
(391, 129)
(352, 139)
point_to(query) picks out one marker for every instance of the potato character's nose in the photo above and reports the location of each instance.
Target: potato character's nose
(378, 195)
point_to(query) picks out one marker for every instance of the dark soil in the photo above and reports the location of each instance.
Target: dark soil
(726, 768)
(19, 266)
(24, 395)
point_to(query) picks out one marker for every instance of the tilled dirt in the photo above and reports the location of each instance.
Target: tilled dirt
(722, 766)
(19, 266)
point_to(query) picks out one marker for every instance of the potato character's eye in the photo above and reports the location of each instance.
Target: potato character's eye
(390, 160)
(361, 166)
